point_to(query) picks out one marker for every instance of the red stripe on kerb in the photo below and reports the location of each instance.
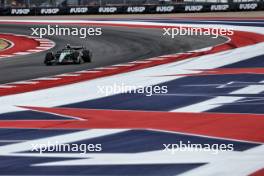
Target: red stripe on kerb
(258, 173)
(21, 44)
(247, 127)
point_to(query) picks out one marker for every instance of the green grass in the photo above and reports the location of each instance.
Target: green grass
(3, 44)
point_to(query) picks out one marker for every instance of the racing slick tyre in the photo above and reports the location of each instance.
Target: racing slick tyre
(49, 59)
(76, 58)
(87, 56)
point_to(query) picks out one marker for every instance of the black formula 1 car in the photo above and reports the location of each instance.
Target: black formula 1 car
(69, 55)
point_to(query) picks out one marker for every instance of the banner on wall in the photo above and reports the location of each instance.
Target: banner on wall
(178, 8)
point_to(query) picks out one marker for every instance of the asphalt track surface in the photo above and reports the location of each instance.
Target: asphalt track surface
(116, 45)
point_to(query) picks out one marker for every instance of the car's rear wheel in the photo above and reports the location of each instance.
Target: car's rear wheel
(49, 59)
(87, 56)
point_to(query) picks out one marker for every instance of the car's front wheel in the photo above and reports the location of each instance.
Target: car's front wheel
(76, 58)
(49, 58)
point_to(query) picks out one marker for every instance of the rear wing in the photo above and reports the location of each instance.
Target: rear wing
(77, 47)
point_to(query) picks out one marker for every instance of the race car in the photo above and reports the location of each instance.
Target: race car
(69, 55)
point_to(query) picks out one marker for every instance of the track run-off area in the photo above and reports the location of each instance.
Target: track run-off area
(215, 96)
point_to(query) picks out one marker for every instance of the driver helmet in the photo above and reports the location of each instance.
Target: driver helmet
(68, 46)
